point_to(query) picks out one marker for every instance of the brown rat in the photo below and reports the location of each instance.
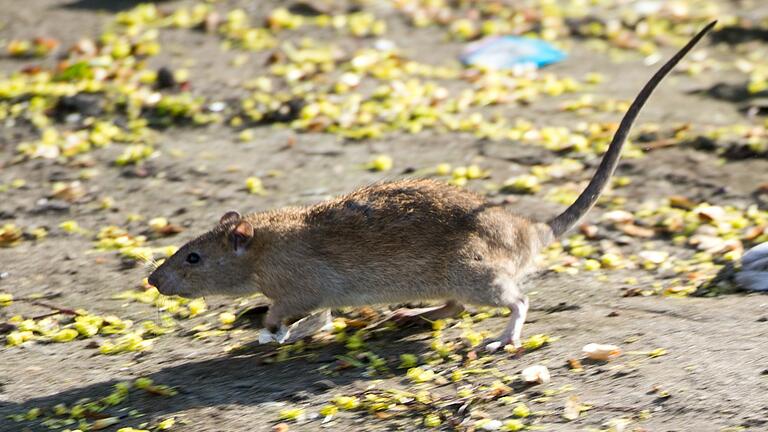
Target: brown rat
(408, 240)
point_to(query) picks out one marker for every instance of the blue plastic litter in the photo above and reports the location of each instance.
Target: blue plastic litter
(508, 52)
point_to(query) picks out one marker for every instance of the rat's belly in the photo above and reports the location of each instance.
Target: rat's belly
(460, 282)
(385, 296)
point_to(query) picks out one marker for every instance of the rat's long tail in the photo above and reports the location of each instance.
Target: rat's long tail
(570, 217)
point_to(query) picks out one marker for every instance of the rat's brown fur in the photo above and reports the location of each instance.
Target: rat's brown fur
(387, 243)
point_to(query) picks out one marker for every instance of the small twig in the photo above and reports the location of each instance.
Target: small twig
(45, 315)
(658, 144)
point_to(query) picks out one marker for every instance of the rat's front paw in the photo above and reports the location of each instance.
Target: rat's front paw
(493, 345)
(301, 329)
(266, 336)
(282, 335)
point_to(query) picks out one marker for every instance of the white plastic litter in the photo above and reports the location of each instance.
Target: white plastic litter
(754, 269)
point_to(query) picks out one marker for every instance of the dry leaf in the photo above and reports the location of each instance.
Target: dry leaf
(575, 365)
(499, 390)
(655, 257)
(572, 408)
(170, 229)
(708, 243)
(589, 231)
(618, 217)
(637, 231)
(755, 232)
(710, 214)
(69, 193)
(601, 352)
(368, 313)
(10, 235)
(679, 201)
(535, 374)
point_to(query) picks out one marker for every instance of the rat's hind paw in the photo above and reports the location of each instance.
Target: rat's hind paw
(283, 334)
(754, 269)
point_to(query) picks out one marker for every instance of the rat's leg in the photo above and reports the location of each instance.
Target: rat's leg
(276, 314)
(274, 323)
(499, 289)
(416, 315)
(513, 331)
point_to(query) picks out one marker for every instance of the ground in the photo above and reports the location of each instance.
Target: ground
(689, 362)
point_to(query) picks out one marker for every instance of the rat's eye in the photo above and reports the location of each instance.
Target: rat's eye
(193, 258)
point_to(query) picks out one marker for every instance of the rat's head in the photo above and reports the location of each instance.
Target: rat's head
(214, 263)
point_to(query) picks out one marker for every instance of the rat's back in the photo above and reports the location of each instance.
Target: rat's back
(413, 240)
(413, 211)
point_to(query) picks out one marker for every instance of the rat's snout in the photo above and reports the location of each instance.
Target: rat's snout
(160, 281)
(154, 279)
(165, 282)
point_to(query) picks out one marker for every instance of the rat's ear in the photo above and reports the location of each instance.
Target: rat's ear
(228, 217)
(241, 236)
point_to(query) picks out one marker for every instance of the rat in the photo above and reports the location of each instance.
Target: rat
(387, 243)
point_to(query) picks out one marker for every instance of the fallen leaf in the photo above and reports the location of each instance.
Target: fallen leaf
(755, 232)
(572, 408)
(681, 202)
(637, 231)
(655, 257)
(710, 213)
(618, 217)
(535, 374)
(601, 352)
(589, 231)
(170, 229)
(280, 427)
(575, 365)
(70, 192)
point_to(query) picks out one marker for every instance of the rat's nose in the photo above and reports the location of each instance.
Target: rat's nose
(154, 279)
